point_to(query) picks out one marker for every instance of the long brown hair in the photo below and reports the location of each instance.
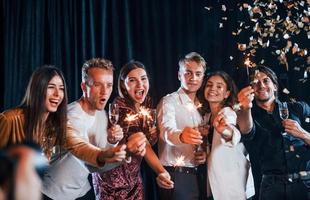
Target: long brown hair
(230, 84)
(33, 105)
(126, 69)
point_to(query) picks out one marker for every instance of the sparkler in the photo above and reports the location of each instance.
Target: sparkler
(237, 107)
(248, 64)
(145, 113)
(130, 118)
(192, 107)
(148, 116)
(179, 161)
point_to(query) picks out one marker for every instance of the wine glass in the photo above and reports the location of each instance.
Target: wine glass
(113, 113)
(113, 117)
(284, 113)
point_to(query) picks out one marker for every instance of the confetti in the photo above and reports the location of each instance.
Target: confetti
(285, 91)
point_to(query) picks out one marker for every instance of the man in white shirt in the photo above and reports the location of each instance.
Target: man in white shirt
(177, 119)
(88, 138)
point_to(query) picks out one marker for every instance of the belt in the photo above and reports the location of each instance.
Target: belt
(302, 175)
(186, 170)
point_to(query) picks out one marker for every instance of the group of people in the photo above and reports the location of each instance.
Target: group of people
(210, 138)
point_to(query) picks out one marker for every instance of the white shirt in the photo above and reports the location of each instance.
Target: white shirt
(229, 171)
(175, 112)
(67, 176)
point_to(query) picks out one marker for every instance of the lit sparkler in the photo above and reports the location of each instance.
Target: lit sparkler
(248, 64)
(179, 161)
(145, 113)
(130, 118)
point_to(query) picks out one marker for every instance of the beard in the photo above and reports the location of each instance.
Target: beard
(266, 99)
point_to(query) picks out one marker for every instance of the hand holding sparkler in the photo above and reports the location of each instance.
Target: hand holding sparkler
(245, 97)
(136, 144)
(114, 154)
(224, 123)
(191, 136)
(164, 180)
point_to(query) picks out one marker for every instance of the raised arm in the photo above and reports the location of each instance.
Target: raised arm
(244, 119)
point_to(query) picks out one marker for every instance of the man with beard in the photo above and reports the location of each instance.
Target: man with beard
(279, 148)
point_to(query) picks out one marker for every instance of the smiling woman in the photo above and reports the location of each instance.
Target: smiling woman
(124, 181)
(54, 94)
(227, 161)
(41, 117)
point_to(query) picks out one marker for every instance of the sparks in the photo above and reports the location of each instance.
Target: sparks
(130, 118)
(145, 112)
(179, 161)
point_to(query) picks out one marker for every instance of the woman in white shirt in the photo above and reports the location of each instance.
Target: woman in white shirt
(228, 168)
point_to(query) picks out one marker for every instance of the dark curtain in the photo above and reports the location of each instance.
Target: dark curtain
(66, 33)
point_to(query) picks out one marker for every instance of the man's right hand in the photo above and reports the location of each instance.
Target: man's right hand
(245, 97)
(113, 154)
(136, 144)
(191, 136)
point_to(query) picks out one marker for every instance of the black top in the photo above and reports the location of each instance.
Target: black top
(274, 153)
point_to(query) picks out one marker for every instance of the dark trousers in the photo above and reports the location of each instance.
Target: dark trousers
(272, 187)
(187, 186)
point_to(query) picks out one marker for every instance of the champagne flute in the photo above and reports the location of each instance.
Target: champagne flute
(113, 116)
(284, 113)
(113, 113)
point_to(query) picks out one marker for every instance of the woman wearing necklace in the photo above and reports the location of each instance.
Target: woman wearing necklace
(228, 167)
